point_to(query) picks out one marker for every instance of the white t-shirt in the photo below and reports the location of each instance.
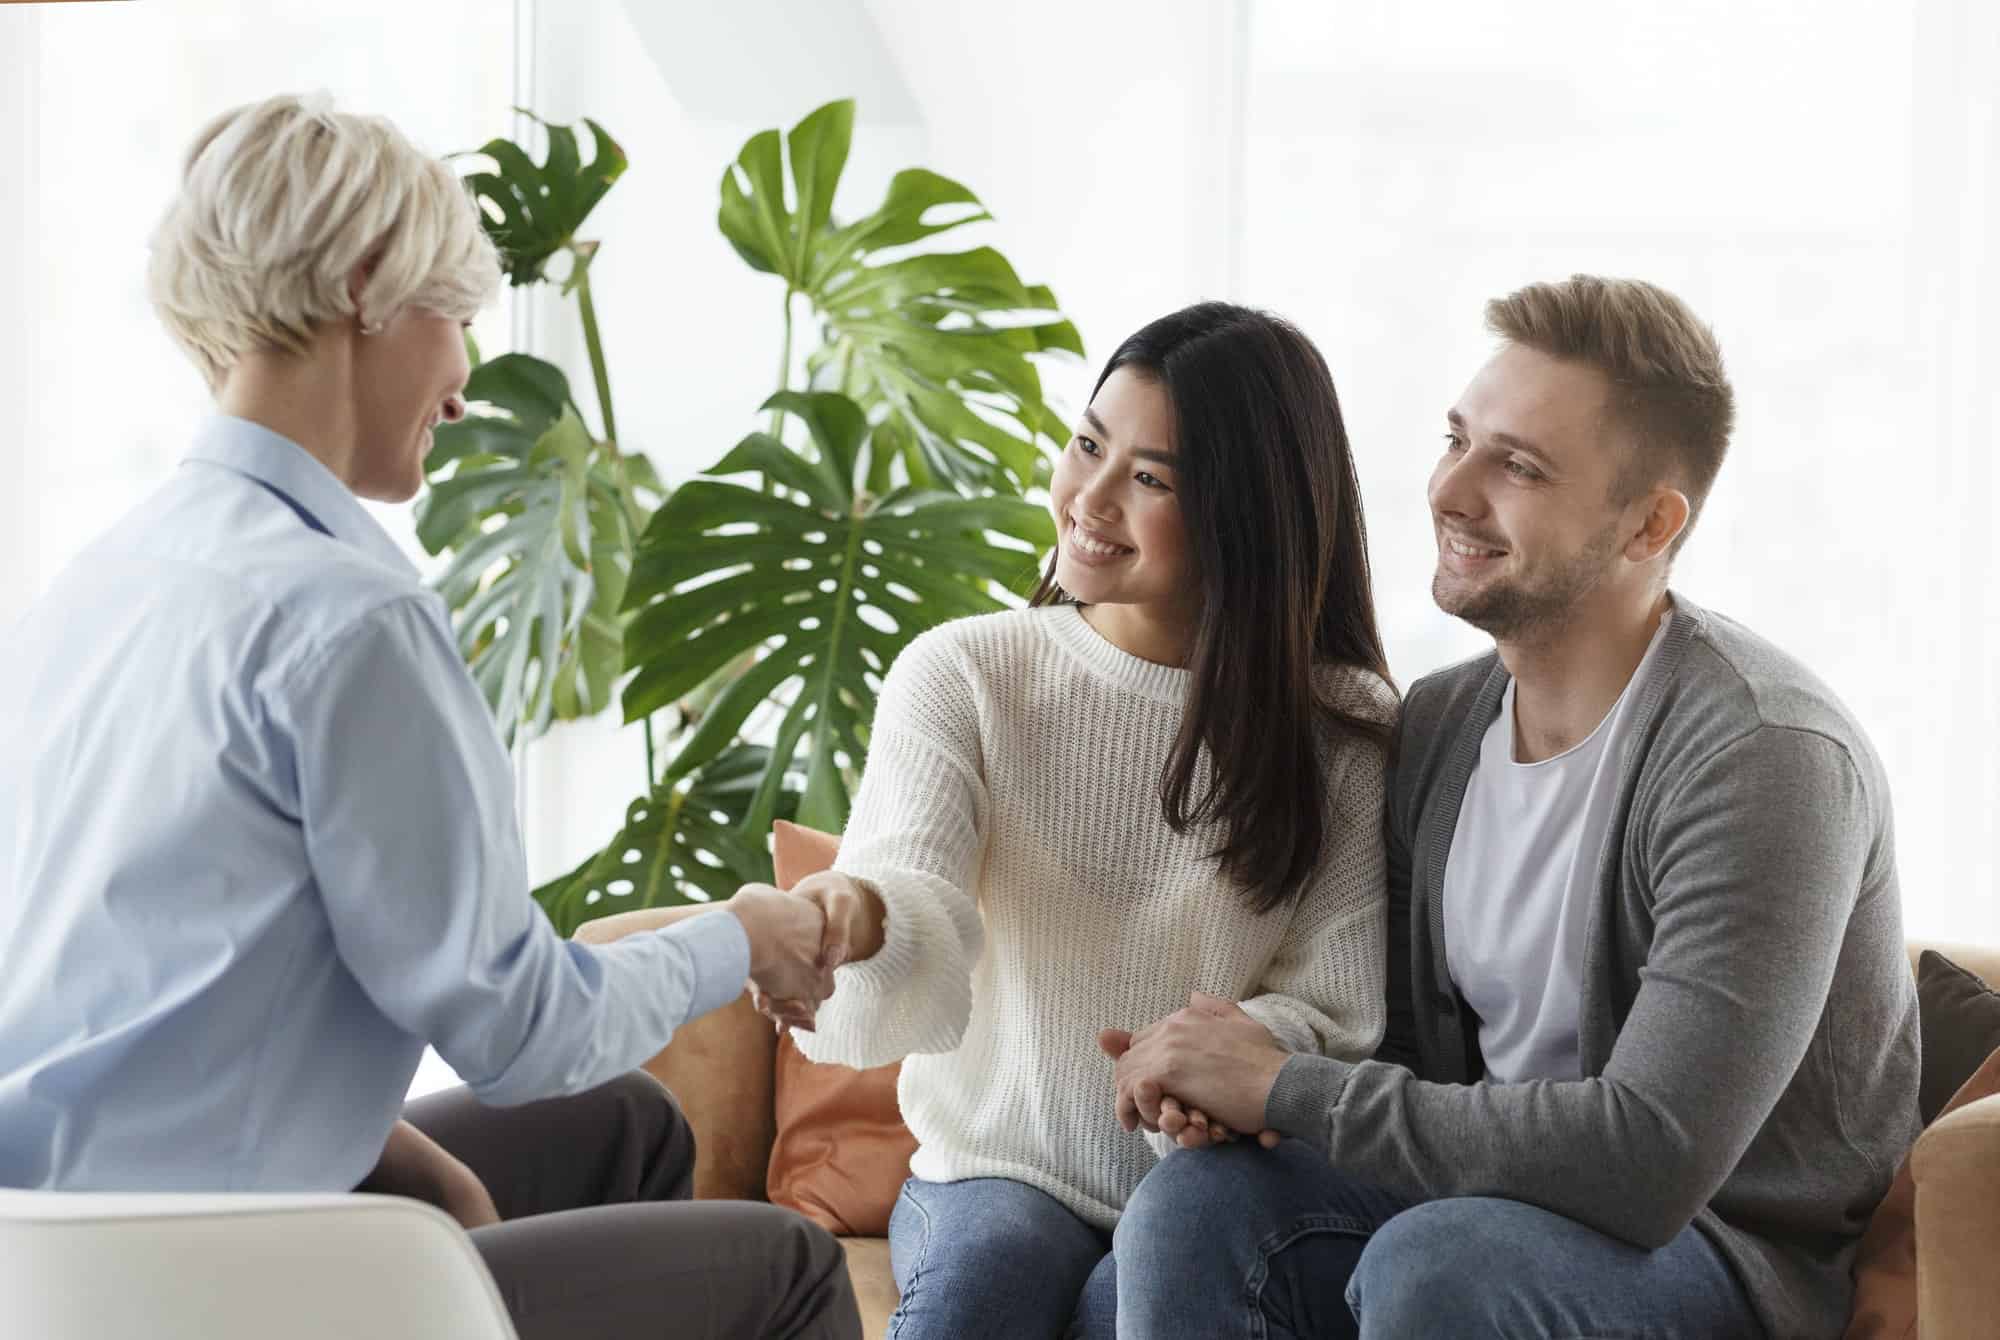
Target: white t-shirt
(1520, 882)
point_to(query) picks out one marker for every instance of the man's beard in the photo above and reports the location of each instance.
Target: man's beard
(1536, 606)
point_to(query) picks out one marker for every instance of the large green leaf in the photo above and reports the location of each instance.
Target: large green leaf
(540, 206)
(938, 344)
(540, 526)
(681, 844)
(823, 582)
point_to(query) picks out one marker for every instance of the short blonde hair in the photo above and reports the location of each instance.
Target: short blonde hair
(279, 202)
(1668, 385)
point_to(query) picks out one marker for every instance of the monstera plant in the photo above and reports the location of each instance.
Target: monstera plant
(821, 584)
(914, 339)
(539, 517)
(756, 607)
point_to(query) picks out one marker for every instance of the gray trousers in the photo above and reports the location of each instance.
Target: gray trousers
(598, 1237)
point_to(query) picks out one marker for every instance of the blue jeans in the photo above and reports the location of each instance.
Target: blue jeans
(1241, 1241)
(993, 1257)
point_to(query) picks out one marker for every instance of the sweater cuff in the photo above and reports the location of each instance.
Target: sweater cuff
(1302, 1101)
(1282, 1024)
(893, 963)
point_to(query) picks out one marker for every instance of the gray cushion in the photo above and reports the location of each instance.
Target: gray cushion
(1960, 1017)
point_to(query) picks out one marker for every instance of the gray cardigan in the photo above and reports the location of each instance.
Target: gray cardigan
(1748, 1023)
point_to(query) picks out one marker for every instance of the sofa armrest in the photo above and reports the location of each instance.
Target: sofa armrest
(604, 930)
(1956, 1165)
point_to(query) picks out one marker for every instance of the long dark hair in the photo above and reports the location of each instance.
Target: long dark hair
(1280, 555)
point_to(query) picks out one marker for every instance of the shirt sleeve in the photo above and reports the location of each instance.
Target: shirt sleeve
(917, 833)
(406, 798)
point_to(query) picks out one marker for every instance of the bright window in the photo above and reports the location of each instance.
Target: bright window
(124, 88)
(1820, 183)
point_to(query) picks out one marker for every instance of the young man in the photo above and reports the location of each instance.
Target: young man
(1651, 1053)
(257, 833)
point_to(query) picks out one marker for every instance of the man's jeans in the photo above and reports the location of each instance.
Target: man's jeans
(1243, 1241)
(993, 1257)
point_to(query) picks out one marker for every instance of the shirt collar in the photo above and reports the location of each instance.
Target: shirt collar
(277, 462)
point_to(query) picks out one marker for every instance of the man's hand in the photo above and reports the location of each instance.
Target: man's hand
(1188, 1127)
(416, 1166)
(1209, 1060)
(785, 937)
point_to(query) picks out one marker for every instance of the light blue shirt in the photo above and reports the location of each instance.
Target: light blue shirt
(258, 846)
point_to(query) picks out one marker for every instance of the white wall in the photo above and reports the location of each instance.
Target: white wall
(20, 460)
(1946, 634)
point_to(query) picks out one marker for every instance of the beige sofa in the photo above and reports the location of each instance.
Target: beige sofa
(720, 1067)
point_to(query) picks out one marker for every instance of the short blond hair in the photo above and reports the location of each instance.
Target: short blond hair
(280, 200)
(1668, 385)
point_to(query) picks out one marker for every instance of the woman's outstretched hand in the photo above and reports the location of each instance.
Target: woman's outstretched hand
(855, 926)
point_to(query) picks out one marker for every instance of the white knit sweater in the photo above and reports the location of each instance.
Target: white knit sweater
(1010, 815)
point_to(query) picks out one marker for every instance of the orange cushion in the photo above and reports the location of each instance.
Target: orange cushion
(1885, 1269)
(841, 1151)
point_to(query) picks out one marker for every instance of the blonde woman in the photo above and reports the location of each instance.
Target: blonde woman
(257, 840)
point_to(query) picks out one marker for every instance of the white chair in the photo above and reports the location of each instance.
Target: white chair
(108, 1266)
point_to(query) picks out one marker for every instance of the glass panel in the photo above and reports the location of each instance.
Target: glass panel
(124, 88)
(1815, 189)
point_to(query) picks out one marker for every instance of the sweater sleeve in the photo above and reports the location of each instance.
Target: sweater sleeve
(1323, 993)
(1755, 860)
(917, 833)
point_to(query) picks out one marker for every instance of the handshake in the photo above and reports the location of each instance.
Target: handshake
(798, 938)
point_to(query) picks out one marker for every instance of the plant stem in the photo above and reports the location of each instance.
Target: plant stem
(599, 373)
(784, 362)
(846, 366)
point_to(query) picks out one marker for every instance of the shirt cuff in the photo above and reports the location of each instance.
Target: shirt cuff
(1302, 1101)
(718, 949)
